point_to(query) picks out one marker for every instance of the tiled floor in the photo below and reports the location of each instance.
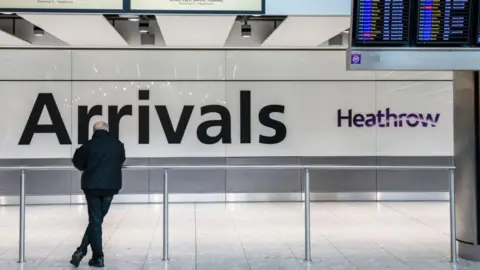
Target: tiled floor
(363, 236)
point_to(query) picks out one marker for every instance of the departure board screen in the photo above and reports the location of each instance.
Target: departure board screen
(478, 27)
(444, 22)
(381, 22)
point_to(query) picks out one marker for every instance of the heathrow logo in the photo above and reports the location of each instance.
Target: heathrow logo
(386, 118)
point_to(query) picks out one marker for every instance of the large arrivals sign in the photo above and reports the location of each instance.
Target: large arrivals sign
(62, 4)
(190, 103)
(198, 5)
(211, 119)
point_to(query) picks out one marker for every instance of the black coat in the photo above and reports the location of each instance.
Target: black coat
(100, 160)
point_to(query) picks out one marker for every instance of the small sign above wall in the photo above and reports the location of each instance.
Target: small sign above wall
(199, 6)
(136, 6)
(77, 6)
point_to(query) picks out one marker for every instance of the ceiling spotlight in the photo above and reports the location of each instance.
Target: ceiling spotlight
(246, 29)
(143, 27)
(132, 18)
(38, 32)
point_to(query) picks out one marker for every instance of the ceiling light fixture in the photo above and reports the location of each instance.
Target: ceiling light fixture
(143, 27)
(38, 32)
(134, 19)
(246, 28)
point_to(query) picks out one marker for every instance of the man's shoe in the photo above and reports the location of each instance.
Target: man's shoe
(98, 262)
(77, 257)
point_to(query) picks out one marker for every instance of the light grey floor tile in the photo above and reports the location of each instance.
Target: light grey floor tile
(345, 236)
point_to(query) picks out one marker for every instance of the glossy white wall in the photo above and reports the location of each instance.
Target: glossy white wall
(23, 65)
(148, 65)
(173, 95)
(310, 118)
(310, 85)
(417, 97)
(16, 103)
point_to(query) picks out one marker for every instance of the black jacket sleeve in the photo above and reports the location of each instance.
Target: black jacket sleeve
(123, 153)
(80, 158)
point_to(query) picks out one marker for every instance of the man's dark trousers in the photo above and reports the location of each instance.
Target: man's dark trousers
(97, 209)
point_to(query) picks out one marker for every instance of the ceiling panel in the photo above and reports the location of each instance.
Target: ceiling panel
(7, 39)
(195, 31)
(305, 31)
(78, 30)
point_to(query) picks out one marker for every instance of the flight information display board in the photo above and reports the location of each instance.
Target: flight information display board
(412, 23)
(381, 22)
(443, 22)
(478, 27)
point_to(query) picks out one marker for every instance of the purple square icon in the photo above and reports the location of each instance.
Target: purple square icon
(356, 59)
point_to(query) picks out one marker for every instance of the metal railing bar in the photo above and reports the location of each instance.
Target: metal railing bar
(306, 170)
(228, 167)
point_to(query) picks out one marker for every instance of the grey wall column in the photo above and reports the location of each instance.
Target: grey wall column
(466, 133)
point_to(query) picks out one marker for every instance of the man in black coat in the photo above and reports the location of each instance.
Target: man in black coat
(100, 160)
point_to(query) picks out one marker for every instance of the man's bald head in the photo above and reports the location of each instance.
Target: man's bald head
(100, 125)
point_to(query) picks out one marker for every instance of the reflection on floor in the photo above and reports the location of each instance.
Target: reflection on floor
(240, 236)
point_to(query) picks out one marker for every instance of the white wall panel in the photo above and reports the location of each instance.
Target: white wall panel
(174, 95)
(148, 65)
(291, 65)
(35, 65)
(113, 78)
(427, 139)
(310, 117)
(413, 75)
(16, 105)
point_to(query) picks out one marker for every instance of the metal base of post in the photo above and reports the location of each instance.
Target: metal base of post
(453, 226)
(165, 215)
(308, 244)
(21, 238)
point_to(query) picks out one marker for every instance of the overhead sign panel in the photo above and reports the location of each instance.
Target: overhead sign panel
(62, 4)
(415, 35)
(199, 6)
(136, 6)
(415, 23)
(478, 27)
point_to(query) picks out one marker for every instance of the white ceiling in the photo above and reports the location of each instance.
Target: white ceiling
(170, 30)
(78, 30)
(11, 40)
(196, 31)
(306, 31)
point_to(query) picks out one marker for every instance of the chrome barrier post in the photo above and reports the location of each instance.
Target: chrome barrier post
(308, 255)
(453, 226)
(165, 215)
(21, 238)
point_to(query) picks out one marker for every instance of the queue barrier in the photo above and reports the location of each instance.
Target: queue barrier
(305, 168)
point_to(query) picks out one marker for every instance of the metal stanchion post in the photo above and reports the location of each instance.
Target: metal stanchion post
(165, 215)
(21, 238)
(453, 226)
(308, 255)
